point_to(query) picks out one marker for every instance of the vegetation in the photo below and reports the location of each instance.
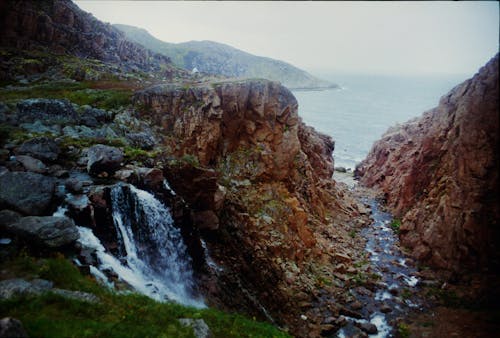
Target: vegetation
(395, 225)
(81, 93)
(116, 315)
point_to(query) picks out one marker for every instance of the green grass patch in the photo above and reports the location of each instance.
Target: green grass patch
(81, 93)
(395, 225)
(404, 330)
(116, 315)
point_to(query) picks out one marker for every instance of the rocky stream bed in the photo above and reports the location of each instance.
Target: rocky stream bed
(377, 311)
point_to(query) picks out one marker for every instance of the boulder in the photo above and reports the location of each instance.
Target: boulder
(8, 217)
(11, 327)
(142, 140)
(42, 148)
(48, 231)
(102, 158)
(50, 111)
(93, 117)
(367, 327)
(32, 164)
(28, 193)
(200, 328)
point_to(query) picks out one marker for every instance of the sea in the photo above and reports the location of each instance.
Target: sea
(365, 106)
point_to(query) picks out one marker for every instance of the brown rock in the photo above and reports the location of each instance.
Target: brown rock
(439, 174)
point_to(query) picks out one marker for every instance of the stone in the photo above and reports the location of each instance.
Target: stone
(367, 327)
(93, 117)
(8, 217)
(141, 140)
(28, 193)
(439, 175)
(32, 164)
(102, 158)
(42, 148)
(356, 305)
(50, 111)
(11, 327)
(384, 308)
(200, 328)
(206, 219)
(48, 231)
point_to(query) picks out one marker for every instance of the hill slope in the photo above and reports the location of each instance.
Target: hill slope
(217, 58)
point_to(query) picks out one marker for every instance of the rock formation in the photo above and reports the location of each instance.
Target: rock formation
(439, 174)
(61, 26)
(265, 202)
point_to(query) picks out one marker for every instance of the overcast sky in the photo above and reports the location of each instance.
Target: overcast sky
(380, 37)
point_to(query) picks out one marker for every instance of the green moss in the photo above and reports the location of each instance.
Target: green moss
(403, 330)
(116, 315)
(395, 225)
(191, 159)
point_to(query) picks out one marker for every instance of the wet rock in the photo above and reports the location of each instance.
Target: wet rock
(350, 313)
(29, 193)
(32, 164)
(50, 111)
(48, 231)
(384, 308)
(367, 327)
(74, 185)
(341, 169)
(11, 327)
(200, 328)
(42, 148)
(102, 158)
(357, 305)
(206, 219)
(439, 173)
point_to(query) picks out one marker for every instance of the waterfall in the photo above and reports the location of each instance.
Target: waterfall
(152, 256)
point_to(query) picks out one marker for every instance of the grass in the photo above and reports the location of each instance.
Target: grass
(116, 315)
(395, 225)
(81, 93)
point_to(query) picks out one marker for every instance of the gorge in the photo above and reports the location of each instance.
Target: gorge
(122, 174)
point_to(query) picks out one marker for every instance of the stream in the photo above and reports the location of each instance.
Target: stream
(395, 292)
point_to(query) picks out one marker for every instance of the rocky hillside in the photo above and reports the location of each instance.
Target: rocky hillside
(57, 37)
(439, 174)
(220, 59)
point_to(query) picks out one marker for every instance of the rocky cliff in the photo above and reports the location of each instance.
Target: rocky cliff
(266, 205)
(439, 174)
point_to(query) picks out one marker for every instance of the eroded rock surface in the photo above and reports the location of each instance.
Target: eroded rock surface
(258, 182)
(439, 173)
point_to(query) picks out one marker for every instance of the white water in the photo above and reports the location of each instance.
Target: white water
(153, 257)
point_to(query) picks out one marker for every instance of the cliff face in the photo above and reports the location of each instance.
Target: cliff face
(63, 28)
(265, 203)
(439, 174)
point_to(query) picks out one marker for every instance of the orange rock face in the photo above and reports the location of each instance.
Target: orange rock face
(439, 173)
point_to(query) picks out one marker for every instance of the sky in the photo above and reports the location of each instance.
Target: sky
(392, 38)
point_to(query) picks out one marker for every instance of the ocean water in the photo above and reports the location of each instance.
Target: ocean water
(366, 106)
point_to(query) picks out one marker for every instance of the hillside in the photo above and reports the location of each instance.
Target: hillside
(220, 59)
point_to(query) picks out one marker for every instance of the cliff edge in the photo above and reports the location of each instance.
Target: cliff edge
(439, 174)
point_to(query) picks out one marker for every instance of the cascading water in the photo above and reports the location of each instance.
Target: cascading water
(152, 256)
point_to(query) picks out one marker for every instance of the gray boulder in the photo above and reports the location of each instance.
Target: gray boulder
(42, 148)
(102, 158)
(200, 328)
(19, 287)
(48, 110)
(32, 164)
(93, 117)
(48, 231)
(11, 327)
(143, 140)
(28, 193)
